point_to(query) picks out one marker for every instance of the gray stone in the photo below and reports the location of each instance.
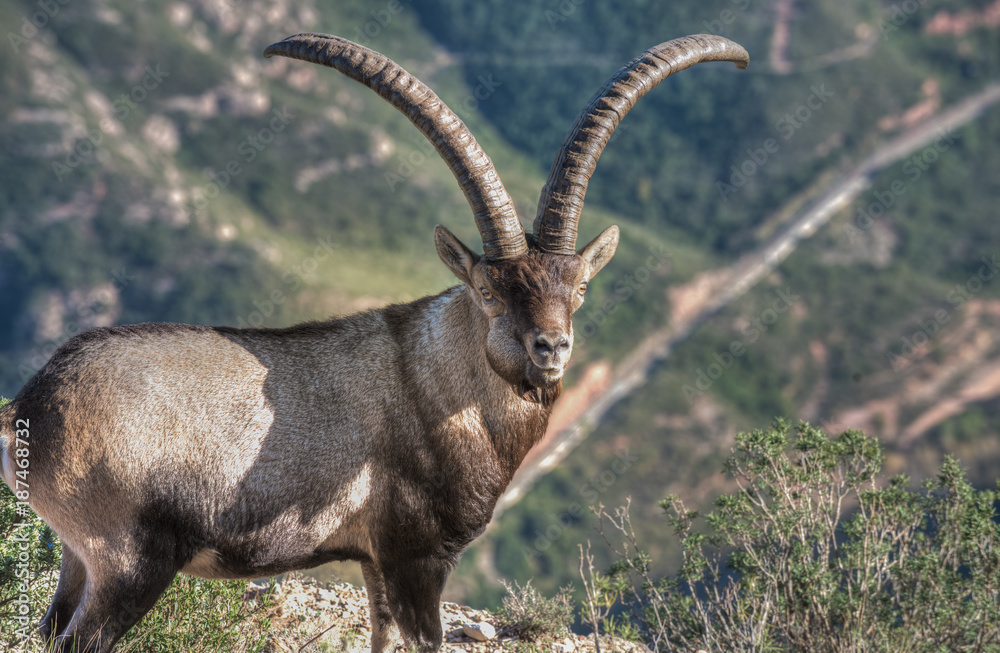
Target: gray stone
(480, 631)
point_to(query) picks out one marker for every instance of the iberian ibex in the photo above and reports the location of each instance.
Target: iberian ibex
(384, 437)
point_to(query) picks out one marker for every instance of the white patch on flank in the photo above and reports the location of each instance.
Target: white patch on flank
(205, 564)
(349, 501)
(357, 492)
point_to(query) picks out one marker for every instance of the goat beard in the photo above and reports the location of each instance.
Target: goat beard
(538, 395)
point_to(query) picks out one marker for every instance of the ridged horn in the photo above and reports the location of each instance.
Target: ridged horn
(501, 231)
(562, 198)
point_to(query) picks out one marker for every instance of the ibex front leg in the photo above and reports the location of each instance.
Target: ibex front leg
(384, 631)
(413, 590)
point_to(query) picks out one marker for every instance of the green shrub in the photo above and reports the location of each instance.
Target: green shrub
(202, 615)
(533, 617)
(817, 552)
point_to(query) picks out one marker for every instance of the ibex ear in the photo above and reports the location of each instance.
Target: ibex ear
(459, 258)
(600, 250)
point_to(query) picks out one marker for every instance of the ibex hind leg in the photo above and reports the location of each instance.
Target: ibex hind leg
(72, 575)
(114, 599)
(413, 590)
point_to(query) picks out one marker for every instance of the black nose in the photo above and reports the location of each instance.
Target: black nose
(548, 344)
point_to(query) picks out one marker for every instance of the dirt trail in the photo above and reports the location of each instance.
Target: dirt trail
(706, 294)
(943, 377)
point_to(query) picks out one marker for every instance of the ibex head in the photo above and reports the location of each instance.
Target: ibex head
(527, 286)
(529, 300)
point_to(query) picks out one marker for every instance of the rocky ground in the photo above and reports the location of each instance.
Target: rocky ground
(310, 616)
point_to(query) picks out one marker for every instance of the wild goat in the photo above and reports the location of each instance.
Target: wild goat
(384, 437)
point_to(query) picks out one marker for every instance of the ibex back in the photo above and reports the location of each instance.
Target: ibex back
(384, 437)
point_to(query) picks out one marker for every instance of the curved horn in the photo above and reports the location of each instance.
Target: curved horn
(498, 225)
(562, 198)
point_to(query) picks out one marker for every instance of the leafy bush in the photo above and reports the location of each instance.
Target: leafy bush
(817, 552)
(533, 617)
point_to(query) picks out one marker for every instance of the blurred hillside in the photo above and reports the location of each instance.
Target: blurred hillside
(156, 167)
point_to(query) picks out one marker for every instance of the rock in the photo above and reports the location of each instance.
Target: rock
(564, 646)
(480, 631)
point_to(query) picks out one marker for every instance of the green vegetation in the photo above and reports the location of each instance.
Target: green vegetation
(535, 619)
(818, 551)
(29, 564)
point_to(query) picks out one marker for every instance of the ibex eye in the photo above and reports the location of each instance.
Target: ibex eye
(583, 288)
(487, 295)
